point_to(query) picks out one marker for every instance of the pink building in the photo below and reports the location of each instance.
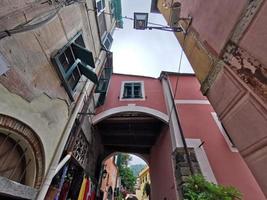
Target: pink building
(109, 179)
(155, 117)
(226, 47)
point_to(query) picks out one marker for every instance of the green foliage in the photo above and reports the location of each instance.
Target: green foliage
(119, 197)
(137, 169)
(123, 160)
(197, 188)
(127, 177)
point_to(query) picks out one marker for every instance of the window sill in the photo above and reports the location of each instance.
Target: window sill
(133, 99)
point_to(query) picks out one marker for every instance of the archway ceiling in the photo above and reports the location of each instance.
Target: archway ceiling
(130, 132)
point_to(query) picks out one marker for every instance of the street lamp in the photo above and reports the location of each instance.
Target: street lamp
(141, 23)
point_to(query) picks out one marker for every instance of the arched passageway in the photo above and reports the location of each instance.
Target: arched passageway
(146, 135)
(131, 132)
(124, 176)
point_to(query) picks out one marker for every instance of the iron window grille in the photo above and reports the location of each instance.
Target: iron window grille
(132, 90)
(73, 61)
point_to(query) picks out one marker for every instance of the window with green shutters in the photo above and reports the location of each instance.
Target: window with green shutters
(73, 61)
(104, 80)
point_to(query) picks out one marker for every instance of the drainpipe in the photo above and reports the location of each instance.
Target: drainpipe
(179, 126)
(54, 164)
(63, 162)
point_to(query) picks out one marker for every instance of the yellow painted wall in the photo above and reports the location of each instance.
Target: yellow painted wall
(200, 58)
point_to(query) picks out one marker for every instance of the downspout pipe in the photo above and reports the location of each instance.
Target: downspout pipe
(180, 127)
(54, 164)
(63, 162)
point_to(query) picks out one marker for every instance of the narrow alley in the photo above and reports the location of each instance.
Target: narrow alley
(133, 100)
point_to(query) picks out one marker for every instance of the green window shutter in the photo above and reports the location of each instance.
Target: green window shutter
(86, 71)
(101, 99)
(83, 54)
(102, 86)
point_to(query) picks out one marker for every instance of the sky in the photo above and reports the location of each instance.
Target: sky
(136, 160)
(145, 52)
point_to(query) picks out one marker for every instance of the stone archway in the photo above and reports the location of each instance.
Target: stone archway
(139, 109)
(15, 130)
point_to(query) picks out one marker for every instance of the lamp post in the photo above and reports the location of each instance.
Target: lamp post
(141, 23)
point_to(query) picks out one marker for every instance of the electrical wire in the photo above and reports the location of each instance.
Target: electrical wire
(38, 21)
(129, 18)
(178, 71)
(176, 111)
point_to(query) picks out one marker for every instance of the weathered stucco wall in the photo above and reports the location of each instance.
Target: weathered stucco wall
(244, 116)
(31, 90)
(47, 117)
(254, 39)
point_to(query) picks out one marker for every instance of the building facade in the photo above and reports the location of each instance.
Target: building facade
(109, 180)
(157, 118)
(143, 179)
(52, 55)
(225, 46)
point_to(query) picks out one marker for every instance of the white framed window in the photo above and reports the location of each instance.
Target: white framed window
(132, 90)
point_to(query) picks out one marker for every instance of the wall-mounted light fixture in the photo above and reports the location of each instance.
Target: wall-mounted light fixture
(141, 23)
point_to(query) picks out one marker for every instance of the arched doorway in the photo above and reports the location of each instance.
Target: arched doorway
(142, 131)
(22, 156)
(12, 159)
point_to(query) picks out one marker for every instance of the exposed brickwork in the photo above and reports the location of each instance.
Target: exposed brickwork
(9, 123)
(181, 166)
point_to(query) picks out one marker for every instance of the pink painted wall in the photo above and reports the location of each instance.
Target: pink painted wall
(161, 169)
(214, 20)
(111, 178)
(153, 92)
(254, 41)
(187, 87)
(228, 167)
(198, 123)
